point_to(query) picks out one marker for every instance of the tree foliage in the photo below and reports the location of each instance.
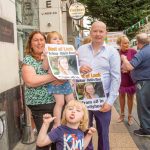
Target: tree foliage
(117, 14)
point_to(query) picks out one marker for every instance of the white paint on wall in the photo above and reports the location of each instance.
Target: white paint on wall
(9, 70)
(50, 18)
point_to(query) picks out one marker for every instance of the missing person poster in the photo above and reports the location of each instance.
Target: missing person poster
(63, 61)
(90, 91)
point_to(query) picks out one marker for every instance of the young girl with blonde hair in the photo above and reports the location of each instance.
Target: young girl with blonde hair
(70, 135)
(62, 92)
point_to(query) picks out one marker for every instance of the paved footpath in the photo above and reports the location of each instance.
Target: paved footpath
(120, 138)
(143, 143)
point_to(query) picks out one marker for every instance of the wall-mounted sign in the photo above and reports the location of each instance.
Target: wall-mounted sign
(6, 31)
(76, 11)
(49, 15)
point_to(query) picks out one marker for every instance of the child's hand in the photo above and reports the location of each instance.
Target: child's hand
(49, 71)
(58, 82)
(45, 52)
(47, 118)
(91, 130)
(77, 53)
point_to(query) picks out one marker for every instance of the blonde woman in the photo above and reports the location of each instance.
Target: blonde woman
(89, 91)
(127, 86)
(70, 135)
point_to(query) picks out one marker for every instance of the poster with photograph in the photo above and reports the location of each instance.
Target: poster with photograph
(91, 92)
(63, 61)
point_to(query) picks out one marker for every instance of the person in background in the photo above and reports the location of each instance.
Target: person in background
(127, 86)
(97, 57)
(36, 81)
(70, 135)
(62, 92)
(140, 73)
(86, 40)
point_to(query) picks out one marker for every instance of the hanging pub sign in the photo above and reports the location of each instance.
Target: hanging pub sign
(6, 31)
(76, 11)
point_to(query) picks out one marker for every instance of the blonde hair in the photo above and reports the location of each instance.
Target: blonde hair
(87, 40)
(60, 68)
(50, 35)
(85, 119)
(120, 38)
(86, 94)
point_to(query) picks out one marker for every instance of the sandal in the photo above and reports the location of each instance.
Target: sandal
(130, 120)
(121, 118)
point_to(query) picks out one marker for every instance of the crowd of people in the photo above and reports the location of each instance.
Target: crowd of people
(61, 121)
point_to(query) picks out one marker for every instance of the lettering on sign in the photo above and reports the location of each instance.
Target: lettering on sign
(48, 4)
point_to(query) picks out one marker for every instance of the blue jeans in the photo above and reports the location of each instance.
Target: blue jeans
(102, 123)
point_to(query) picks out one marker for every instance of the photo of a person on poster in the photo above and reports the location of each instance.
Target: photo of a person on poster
(89, 91)
(63, 61)
(64, 65)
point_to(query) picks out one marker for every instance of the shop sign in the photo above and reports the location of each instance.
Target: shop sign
(76, 11)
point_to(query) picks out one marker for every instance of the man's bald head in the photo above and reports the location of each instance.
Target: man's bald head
(98, 32)
(98, 23)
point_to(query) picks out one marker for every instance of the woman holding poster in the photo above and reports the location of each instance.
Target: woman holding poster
(36, 80)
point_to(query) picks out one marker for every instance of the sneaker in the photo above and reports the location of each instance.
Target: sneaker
(141, 133)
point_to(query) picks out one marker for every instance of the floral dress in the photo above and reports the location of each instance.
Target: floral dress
(37, 95)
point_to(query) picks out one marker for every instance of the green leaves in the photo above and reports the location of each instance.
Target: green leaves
(118, 14)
